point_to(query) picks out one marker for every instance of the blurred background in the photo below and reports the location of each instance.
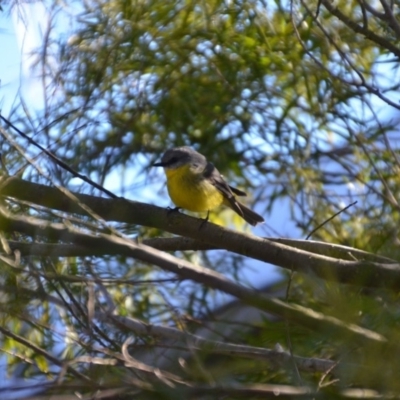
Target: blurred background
(295, 102)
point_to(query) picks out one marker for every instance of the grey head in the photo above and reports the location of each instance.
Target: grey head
(178, 156)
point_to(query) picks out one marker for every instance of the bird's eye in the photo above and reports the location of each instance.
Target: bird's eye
(172, 160)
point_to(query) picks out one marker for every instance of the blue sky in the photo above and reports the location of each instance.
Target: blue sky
(20, 35)
(11, 63)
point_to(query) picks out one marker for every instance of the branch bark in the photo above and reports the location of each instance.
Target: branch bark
(356, 267)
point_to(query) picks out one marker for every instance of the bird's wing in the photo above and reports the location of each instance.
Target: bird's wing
(218, 180)
(211, 173)
(237, 191)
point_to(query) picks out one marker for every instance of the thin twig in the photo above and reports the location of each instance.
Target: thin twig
(330, 219)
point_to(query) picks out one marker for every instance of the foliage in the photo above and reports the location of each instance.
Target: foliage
(293, 101)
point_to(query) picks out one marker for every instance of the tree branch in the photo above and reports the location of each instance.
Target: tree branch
(379, 40)
(365, 271)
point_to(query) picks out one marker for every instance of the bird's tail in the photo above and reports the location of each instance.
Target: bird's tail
(248, 215)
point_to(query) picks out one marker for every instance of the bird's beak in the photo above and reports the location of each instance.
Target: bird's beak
(158, 164)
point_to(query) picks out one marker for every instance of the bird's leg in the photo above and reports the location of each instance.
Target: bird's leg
(171, 210)
(205, 220)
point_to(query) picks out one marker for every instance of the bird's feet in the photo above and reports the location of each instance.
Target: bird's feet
(171, 210)
(205, 220)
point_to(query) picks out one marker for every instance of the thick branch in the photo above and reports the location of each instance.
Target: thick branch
(361, 270)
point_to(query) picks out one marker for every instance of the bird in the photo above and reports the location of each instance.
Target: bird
(195, 184)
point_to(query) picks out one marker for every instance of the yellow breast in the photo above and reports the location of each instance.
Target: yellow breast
(191, 191)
